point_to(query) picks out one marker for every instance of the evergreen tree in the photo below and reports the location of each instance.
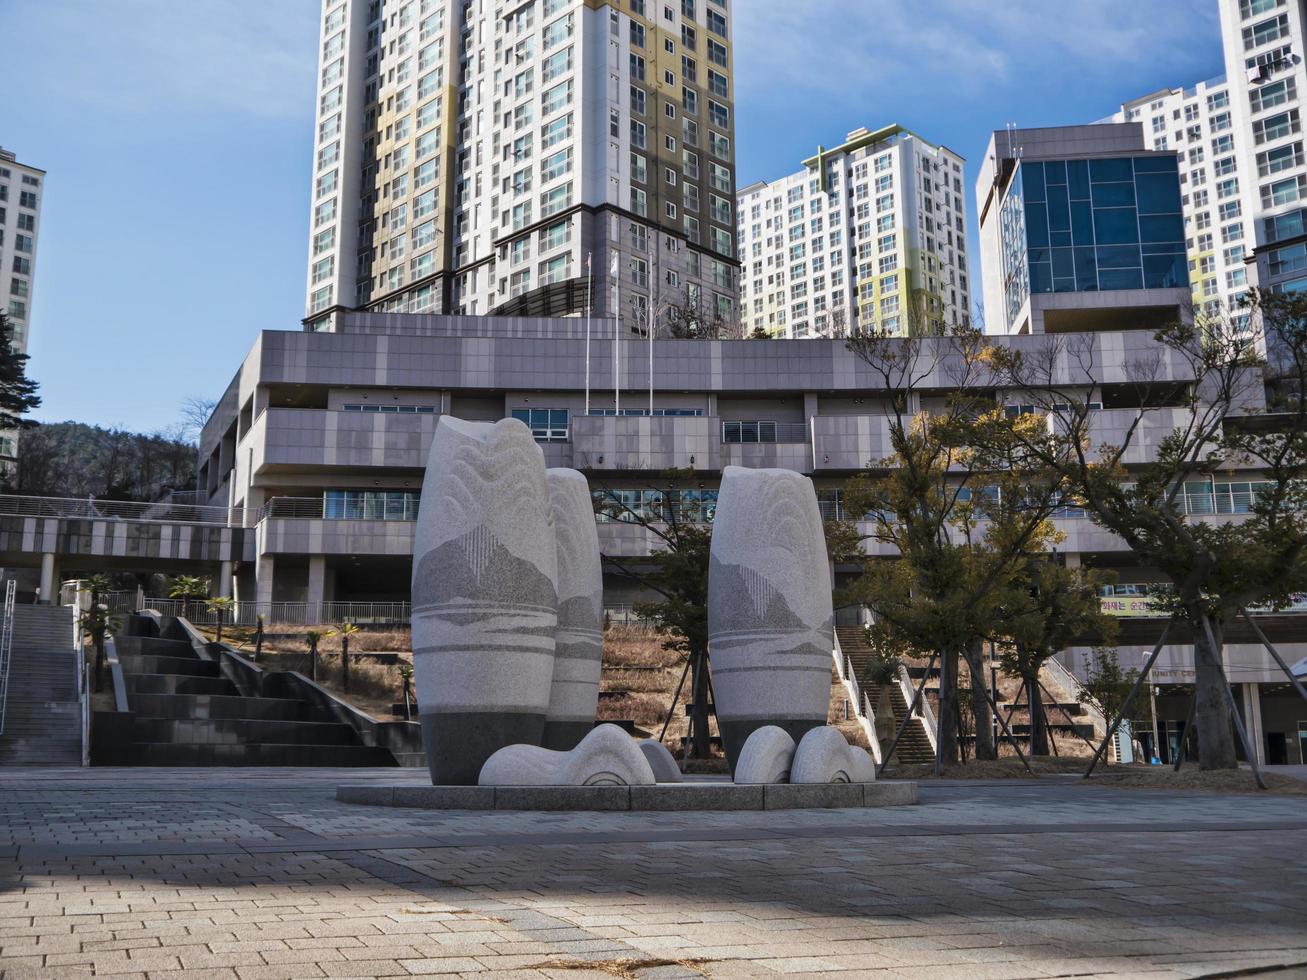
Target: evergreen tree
(17, 391)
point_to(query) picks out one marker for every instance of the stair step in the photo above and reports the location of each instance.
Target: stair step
(178, 684)
(262, 754)
(240, 731)
(148, 664)
(224, 706)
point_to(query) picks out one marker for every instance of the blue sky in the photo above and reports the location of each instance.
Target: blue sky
(177, 135)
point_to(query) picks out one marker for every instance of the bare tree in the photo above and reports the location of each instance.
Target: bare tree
(195, 412)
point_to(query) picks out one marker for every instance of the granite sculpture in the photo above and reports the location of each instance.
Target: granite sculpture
(606, 757)
(579, 640)
(769, 606)
(766, 756)
(825, 756)
(660, 760)
(484, 595)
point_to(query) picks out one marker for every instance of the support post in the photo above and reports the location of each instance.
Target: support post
(907, 715)
(1130, 698)
(47, 579)
(1275, 654)
(224, 580)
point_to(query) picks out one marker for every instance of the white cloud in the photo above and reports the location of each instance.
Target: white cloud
(844, 47)
(150, 56)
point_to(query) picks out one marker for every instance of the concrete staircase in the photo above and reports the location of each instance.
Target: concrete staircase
(187, 713)
(914, 746)
(43, 716)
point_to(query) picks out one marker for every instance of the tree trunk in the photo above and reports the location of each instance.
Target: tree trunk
(1212, 721)
(982, 718)
(947, 717)
(99, 660)
(700, 747)
(1038, 722)
(344, 662)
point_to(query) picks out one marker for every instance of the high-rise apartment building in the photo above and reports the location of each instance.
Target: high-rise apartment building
(472, 155)
(1081, 229)
(1240, 144)
(21, 189)
(1198, 123)
(1264, 51)
(869, 235)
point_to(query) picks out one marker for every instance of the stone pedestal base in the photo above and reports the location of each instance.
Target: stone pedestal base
(705, 795)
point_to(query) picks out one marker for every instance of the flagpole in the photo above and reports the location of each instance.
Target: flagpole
(652, 288)
(589, 288)
(615, 269)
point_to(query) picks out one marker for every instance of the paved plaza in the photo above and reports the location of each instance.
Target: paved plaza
(261, 874)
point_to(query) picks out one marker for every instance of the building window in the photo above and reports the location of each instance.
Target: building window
(546, 424)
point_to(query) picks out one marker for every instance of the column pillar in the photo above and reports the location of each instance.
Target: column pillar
(1252, 715)
(317, 585)
(263, 571)
(48, 584)
(224, 580)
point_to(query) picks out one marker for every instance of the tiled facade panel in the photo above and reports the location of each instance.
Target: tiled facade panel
(651, 444)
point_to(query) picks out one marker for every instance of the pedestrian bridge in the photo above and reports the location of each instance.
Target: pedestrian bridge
(115, 535)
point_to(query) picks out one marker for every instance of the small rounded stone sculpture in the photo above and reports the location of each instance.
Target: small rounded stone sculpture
(484, 595)
(769, 606)
(661, 761)
(606, 757)
(579, 639)
(766, 757)
(825, 756)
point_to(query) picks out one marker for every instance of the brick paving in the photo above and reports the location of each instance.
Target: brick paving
(193, 874)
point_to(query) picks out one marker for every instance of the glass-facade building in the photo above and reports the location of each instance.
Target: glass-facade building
(1087, 225)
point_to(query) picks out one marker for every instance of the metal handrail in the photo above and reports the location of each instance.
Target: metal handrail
(923, 706)
(288, 613)
(83, 684)
(7, 648)
(88, 508)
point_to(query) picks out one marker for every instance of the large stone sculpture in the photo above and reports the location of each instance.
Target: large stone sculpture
(606, 757)
(769, 606)
(579, 641)
(766, 757)
(484, 595)
(825, 756)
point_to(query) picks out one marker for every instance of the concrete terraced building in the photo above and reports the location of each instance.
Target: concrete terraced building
(869, 235)
(472, 157)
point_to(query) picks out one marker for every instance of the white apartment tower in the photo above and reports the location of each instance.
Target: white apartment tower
(1198, 123)
(869, 235)
(21, 189)
(1242, 165)
(471, 155)
(1264, 63)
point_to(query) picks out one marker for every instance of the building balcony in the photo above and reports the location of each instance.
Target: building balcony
(849, 442)
(644, 443)
(771, 445)
(295, 438)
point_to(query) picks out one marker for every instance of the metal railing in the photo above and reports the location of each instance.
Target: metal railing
(318, 508)
(286, 613)
(88, 508)
(83, 683)
(924, 712)
(6, 648)
(862, 709)
(753, 432)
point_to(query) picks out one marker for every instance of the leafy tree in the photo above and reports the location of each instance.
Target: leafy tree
(221, 606)
(98, 623)
(312, 637)
(1043, 613)
(17, 391)
(1107, 686)
(188, 588)
(1195, 397)
(960, 502)
(344, 631)
(673, 515)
